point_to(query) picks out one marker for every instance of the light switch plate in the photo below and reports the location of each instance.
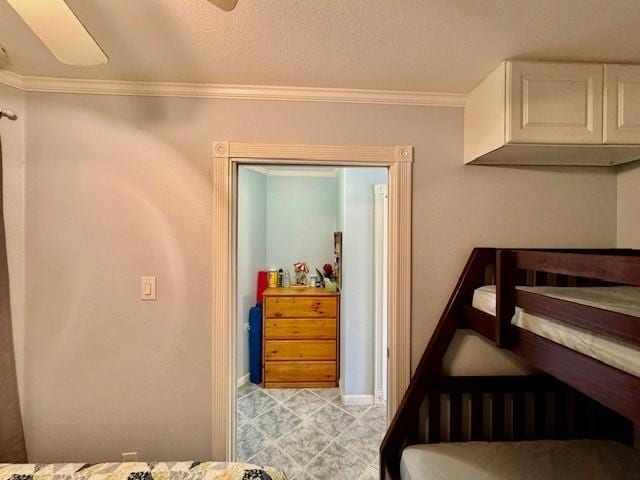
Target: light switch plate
(148, 288)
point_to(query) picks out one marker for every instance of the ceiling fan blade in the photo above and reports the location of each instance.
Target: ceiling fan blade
(55, 24)
(226, 5)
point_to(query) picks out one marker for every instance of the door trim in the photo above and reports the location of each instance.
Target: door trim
(226, 158)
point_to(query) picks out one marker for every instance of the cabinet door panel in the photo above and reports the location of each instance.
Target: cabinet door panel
(622, 104)
(554, 103)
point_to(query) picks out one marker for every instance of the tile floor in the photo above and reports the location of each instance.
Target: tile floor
(309, 433)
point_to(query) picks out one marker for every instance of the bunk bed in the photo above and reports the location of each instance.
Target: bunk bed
(571, 314)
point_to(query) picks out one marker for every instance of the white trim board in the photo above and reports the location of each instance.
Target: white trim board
(225, 91)
(357, 399)
(270, 172)
(226, 158)
(243, 380)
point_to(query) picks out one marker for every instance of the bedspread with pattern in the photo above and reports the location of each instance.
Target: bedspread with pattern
(139, 471)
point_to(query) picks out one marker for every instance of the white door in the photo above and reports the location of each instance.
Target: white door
(554, 103)
(622, 104)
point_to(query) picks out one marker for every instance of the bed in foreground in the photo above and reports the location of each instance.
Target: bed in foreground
(139, 471)
(572, 314)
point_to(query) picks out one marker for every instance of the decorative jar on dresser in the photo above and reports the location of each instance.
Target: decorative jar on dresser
(301, 341)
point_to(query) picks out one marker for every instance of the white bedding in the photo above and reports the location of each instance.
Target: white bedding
(539, 460)
(618, 354)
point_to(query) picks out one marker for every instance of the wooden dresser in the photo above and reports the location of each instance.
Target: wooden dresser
(301, 341)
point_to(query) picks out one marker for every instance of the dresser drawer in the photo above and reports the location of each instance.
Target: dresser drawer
(300, 328)
(299, 372)
(300, 350)
(297, 307)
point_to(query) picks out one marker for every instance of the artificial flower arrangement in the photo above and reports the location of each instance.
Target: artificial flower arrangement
(301, 271)
(328, 277)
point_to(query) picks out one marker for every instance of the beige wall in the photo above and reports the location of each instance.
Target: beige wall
(629, 206)
(12, 144)
(119, 187)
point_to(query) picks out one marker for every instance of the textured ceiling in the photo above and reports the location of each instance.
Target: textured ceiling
(418, 45)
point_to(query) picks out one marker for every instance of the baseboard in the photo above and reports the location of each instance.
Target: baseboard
(242, 380)
(357, 399)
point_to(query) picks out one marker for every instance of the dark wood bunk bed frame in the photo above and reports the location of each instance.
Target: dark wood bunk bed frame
(576, 396)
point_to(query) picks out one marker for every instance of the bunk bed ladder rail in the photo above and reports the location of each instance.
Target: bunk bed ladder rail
(404, 427)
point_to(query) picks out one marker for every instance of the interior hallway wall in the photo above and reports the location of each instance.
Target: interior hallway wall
(252, 254)
(12, 143)
(629, 206)
(120, 186)
(301, 220)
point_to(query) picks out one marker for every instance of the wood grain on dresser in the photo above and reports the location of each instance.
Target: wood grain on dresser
(301, 345)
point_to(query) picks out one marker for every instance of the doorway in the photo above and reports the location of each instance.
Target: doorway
(227, 157)
(311, 399)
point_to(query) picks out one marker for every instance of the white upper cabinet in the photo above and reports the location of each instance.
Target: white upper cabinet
(622, 104)
(547, 113)
(554, 102)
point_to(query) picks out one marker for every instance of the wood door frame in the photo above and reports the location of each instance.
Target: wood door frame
(226, 158)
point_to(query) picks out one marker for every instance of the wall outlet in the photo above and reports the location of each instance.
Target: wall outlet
(129, 456)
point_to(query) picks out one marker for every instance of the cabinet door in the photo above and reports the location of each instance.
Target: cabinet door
(622, 104)
(554, 103)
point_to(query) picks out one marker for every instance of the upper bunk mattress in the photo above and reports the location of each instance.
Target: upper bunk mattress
(539, 460)
(608, 350)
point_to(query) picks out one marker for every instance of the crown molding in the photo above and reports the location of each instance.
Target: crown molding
(270, 172)
(220, 91)
(11, 79)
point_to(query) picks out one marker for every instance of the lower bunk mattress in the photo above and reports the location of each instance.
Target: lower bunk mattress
(535, 460)
(139, 471)
(608, 350)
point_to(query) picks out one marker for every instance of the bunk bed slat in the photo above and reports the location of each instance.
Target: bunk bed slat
(455, 417)
(497, 416)
(560, 414)
(539, 414)
(518, 416)
(477, 409)
(434, 417)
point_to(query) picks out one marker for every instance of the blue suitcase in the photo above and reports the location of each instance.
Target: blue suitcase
(255, 344)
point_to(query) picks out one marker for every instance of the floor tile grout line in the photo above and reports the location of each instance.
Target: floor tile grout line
(276, 445)
(345, 410)
(315, 411)
(319, 453)
(270, 440)
(283, 406)
(266, 390)
(273, 442)
(367, 463)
